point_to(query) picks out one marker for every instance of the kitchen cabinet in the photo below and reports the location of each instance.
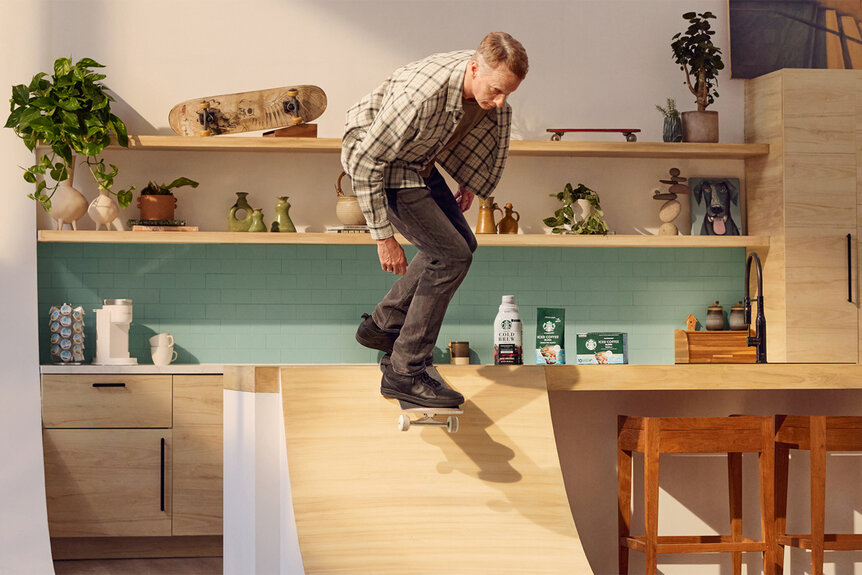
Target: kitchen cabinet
(132, 455)
(803, 195)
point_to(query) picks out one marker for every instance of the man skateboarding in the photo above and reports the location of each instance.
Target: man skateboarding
(448, 109)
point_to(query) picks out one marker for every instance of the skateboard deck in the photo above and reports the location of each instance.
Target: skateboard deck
(248, 111)
(428, 416)
(629, 133)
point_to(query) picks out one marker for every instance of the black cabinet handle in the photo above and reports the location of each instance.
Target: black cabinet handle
(163, 476)
(849, 268)
(109, 385)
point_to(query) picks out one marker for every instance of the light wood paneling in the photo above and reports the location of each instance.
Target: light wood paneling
(517, 148)
(103, 483)
(252, 378)
(198, 458)
(371, 499)
(766, 376)
(72, 401)
(510, 240)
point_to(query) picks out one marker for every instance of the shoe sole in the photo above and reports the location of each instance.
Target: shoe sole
(390, 393)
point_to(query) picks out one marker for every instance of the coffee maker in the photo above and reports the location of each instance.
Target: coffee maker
(112, 333)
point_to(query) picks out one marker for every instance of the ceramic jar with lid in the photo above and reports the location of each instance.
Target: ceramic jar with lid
(715, 317)
(737, 316)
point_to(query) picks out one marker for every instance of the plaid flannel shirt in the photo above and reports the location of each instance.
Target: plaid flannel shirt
(402, 127)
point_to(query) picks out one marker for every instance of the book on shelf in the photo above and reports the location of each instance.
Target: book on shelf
(347, 230)
(139, 228)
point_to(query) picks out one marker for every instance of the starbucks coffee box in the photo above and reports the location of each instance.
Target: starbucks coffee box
(606, 347)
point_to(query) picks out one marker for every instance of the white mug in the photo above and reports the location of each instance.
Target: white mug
(162, 339)
(163, 354)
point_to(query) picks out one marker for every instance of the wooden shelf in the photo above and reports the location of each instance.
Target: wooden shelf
(760, 243)
(517, 148)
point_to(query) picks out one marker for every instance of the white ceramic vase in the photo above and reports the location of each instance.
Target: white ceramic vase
(68, 205)
(582, 209)
(104, 211)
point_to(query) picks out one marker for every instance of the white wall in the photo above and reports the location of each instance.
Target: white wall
(594, 63)
(23, 521)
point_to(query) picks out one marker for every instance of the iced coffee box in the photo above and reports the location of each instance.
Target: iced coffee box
(607, 347)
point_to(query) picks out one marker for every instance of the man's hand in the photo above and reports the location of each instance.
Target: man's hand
(464, 197)
(391, 256)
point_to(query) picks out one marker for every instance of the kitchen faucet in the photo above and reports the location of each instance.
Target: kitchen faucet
(759, 339)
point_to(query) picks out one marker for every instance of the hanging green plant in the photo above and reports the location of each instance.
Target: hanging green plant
(69, 112)
(564, 220)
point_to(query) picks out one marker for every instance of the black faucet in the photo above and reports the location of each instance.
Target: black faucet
(759, 339)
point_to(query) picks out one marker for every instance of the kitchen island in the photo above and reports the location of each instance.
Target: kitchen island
(527, 484)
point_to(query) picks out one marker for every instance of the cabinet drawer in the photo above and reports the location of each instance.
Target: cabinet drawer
(94, 401)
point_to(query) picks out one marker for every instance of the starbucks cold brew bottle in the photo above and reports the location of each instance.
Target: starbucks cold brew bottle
(508, 335)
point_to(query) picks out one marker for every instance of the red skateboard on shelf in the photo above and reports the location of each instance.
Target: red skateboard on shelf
(629, 133)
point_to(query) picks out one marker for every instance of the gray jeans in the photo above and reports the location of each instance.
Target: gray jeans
(414, 308)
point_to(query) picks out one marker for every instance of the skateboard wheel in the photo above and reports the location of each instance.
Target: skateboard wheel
(631, 137)
(555, 137)
(452, 424)
(204, 106)
(403, 422)
(206, 133)
(296, 121)
(292, 93)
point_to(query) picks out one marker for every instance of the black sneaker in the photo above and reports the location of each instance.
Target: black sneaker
(371, 336)
(420, 389)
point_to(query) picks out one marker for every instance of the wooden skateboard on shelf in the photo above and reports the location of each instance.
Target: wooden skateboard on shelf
(248, 111)
(428, 416)
(629, 133)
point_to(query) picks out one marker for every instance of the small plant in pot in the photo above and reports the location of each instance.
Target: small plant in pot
(700, 60)
(157, 203)
(672, 129)
(70, 113)
(581, 212)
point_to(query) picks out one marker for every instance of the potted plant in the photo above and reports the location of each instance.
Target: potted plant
(580, 214)
(70, 113)
(156, 201)
(672, 129)
(700, 60)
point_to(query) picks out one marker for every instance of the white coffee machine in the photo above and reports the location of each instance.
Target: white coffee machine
(112, 333)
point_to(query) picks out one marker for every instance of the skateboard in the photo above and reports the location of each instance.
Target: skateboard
(630, 134)
(427, 416)
(248, 111)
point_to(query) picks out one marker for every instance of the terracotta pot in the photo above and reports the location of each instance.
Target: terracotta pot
(700, 127)
(157, 206)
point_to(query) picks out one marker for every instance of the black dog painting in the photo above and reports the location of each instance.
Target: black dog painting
(715, 207)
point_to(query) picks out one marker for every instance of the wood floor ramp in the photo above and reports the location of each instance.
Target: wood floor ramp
(369, 498)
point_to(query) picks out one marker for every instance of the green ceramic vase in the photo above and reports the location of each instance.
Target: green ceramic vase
(282, 221)
(236, 224)
(257, 224)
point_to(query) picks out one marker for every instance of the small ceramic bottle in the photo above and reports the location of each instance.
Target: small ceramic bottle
(737, 316)
(509, 222)
(282, 222)
(257, 224)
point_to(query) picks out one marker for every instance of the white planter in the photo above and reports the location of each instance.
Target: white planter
(68, 205)
(104, 211)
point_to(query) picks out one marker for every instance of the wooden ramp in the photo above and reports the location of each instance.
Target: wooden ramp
(369, 498)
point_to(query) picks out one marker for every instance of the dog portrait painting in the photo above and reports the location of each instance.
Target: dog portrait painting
(715, 209)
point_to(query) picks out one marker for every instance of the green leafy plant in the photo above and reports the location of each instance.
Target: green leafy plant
(69, 112)
(698, 57)
(154, 189)
(564, 221)
(670, 111)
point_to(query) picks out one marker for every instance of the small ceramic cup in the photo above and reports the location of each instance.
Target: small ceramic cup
(163, 354)
(162, 339)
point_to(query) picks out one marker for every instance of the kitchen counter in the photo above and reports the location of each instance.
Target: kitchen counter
(180, 368)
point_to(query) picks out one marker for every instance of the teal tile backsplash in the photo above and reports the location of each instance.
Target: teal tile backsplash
(301, 304)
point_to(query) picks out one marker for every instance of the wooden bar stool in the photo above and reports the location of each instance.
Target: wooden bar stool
(818, 434)
(653, 436)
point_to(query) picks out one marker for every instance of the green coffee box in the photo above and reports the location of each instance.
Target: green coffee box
(606, 347)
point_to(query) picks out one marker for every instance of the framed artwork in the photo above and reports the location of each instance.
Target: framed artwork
(767, 35)
(715, 207)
